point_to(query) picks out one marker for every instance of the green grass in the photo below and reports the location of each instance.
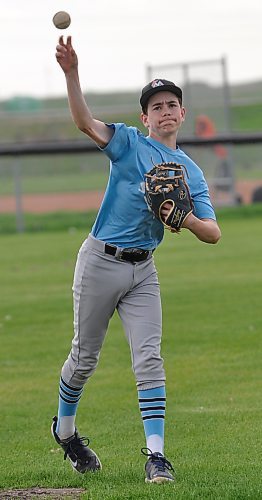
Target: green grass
(247, 118)
(60, 221)
(58, 174)
(212, 349)
(71, 221)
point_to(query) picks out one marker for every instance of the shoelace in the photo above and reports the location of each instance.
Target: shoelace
(77, 441)
(162, 462)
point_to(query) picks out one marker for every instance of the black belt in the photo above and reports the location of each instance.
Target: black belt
(128, 254)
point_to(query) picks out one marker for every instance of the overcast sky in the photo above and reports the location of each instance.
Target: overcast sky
(115, 39)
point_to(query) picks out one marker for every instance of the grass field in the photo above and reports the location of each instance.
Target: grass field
(212, 350)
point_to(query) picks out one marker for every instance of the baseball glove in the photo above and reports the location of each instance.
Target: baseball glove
(166, 183)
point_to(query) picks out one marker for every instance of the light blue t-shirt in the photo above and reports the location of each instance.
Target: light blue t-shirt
(124, 218)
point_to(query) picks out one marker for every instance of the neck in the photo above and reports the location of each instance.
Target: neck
(169, 140)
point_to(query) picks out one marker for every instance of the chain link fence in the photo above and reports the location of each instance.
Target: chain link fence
(46, 166)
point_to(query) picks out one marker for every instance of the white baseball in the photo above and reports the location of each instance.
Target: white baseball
(61, 20)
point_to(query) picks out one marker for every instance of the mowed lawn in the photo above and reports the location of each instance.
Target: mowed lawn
(212, 350)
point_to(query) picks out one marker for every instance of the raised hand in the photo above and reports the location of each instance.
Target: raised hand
(65, 55)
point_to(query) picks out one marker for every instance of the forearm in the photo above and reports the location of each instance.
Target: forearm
(79, 110)
(95, 129)
(206, 230)
(81, 113)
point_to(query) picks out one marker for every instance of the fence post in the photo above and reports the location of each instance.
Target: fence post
(228, 120)
(20, 225)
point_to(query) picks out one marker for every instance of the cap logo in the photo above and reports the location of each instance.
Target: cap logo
(156, 83)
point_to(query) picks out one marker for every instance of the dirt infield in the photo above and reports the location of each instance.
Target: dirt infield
(54, 202)
(91, 200)
(57, 494)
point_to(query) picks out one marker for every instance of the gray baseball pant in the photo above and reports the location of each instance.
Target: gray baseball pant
(102, 283)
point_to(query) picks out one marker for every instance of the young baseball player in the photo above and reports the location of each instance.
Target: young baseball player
(115, 263)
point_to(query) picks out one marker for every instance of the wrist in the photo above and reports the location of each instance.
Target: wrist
(190, 221)
(71, 73)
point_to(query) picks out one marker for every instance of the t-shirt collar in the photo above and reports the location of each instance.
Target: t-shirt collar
(159, 145)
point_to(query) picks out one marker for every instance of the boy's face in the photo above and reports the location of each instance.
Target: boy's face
(164, 114)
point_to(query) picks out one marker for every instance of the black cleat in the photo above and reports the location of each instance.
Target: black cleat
(157, 468)
(82, 458)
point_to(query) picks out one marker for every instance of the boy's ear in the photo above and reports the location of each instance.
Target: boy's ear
(144, 119)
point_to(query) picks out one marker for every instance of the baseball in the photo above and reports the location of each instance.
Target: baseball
(61, 20)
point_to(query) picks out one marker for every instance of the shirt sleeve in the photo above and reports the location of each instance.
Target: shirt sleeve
(120, 143)
(203, 208)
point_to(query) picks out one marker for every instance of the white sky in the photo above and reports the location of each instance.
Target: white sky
(115, 39)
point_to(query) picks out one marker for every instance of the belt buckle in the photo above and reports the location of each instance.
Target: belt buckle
(120, 255)
(132, 254)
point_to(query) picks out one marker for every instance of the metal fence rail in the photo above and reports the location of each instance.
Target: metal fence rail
(86, 146)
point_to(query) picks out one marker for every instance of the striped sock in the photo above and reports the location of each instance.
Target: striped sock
(69, 398)
(152, 404)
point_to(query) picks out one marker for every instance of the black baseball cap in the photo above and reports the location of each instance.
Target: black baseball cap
(158, 85)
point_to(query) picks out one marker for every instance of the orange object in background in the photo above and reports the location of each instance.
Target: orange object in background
(204, 127)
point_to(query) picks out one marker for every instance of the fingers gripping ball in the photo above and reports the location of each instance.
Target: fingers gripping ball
(61, 20)
(166, 183)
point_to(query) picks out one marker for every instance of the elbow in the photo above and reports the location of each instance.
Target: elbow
(83, 128)
(89, 131)
(83, 125)
(212, 236)
(215, 237)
